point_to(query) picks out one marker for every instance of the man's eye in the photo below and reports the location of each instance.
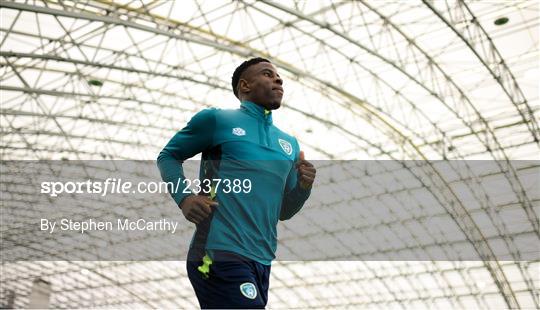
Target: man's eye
(267, 74)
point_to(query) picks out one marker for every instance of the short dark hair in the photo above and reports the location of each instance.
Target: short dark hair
(241, 68)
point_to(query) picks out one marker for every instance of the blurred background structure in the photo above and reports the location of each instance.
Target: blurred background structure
(425, 80)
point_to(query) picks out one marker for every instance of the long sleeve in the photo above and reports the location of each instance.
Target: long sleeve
(294, 196)
(196, 137)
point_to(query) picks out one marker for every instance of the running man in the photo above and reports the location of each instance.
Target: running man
(235, 240)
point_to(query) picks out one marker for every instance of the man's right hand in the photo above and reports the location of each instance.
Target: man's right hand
(197, 208)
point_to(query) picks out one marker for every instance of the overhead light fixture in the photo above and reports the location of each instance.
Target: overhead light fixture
(501, 21)
(95, 82)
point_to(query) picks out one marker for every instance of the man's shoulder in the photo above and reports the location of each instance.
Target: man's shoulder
(205, 113)
(220, 111)
(228, 115)
(214, 114)
(219, 117)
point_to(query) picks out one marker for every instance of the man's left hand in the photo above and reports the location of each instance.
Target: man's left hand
(306, 172)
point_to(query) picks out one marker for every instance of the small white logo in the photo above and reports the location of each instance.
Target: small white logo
(286, 146)
(238, 131)
(249, 290)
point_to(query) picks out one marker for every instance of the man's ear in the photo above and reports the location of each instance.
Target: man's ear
(243, 86)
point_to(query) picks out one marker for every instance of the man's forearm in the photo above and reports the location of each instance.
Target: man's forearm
(172, 172)
(293, 201)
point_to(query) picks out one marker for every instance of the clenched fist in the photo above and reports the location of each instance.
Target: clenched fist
(197, 208)
(306, 172)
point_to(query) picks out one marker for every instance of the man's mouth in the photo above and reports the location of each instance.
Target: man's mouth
(279, 89)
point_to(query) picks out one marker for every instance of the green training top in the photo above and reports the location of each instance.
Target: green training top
(239, 144)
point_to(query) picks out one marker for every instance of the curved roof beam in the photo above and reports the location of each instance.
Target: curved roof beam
(109, 66)
(481, 45)
(448, 79)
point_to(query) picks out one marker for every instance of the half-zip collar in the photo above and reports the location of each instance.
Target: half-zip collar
(257, 111)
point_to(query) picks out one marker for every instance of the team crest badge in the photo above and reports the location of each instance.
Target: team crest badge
(248, 289)
(238, 131)
(286, 146)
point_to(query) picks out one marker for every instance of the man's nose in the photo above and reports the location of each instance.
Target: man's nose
(279, 80)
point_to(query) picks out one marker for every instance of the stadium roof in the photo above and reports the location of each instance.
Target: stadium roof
(377, 80)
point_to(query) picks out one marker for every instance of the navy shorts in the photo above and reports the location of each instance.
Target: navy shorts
(233, 282)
